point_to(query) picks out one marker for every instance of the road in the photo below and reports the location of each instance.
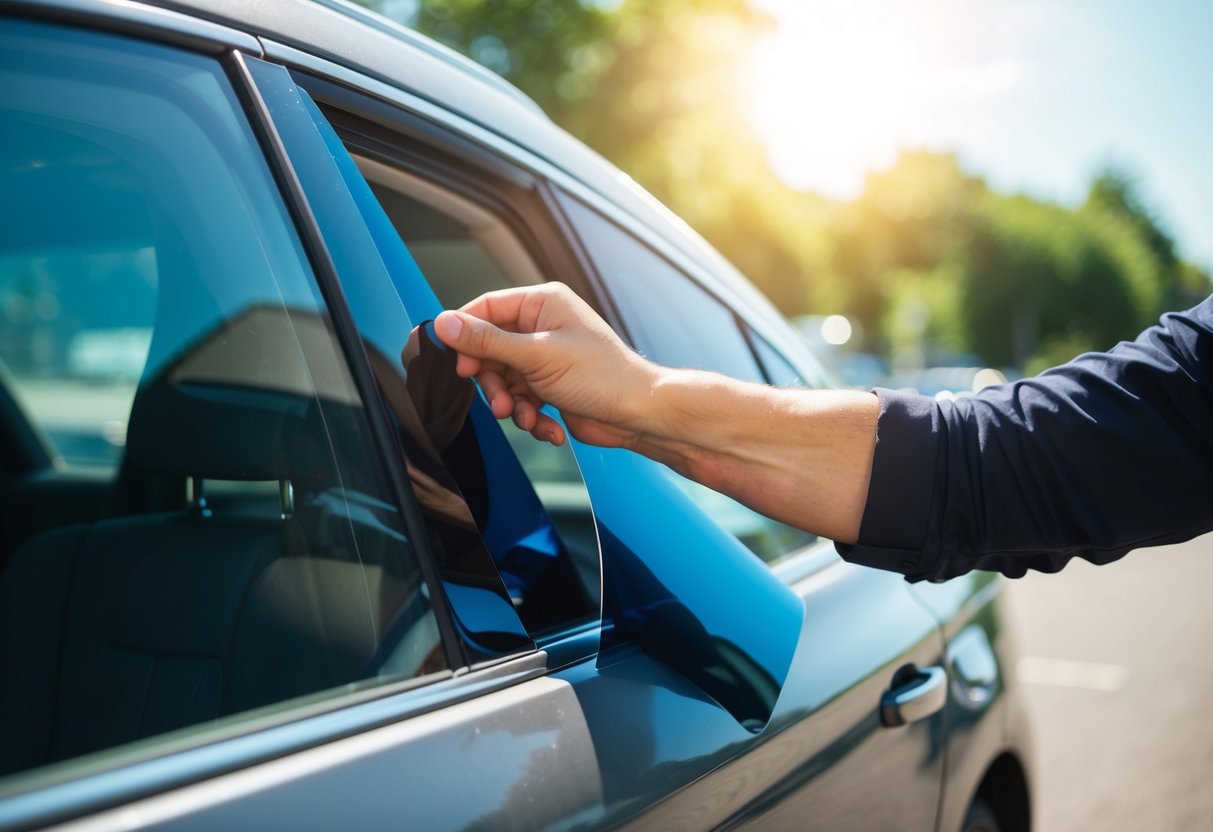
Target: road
(1119, 672)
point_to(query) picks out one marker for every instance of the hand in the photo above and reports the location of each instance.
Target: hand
(543, 344)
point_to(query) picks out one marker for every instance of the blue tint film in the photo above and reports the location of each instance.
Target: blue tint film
(686, 591)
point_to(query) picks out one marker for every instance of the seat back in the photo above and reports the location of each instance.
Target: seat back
(138, 625)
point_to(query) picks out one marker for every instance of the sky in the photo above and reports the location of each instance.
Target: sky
(1035, 96)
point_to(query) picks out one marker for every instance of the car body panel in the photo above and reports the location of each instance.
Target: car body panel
(542, 772)
(985, 708)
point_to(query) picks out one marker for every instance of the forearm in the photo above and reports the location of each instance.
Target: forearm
(803, 457)
(1100, 456)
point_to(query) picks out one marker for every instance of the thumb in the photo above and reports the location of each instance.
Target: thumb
(478, 338)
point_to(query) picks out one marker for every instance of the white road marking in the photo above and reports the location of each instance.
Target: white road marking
(1064, 673)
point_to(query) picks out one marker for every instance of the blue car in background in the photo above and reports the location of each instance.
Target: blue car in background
(267, 562)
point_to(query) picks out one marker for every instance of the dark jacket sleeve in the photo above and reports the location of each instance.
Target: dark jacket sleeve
(1091, 459)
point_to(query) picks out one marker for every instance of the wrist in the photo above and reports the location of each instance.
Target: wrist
(692, 409)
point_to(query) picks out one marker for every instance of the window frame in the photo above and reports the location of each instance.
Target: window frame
(405, 140)
(402, 139)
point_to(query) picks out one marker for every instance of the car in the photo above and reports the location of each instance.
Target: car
(267, 562)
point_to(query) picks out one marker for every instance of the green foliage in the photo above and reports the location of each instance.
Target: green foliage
(927, 258)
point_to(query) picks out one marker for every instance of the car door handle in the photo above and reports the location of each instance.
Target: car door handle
(915, 694)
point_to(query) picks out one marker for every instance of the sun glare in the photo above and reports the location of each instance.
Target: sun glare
(841, 87)
(826, 97)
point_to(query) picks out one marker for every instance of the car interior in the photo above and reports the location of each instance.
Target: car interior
(195, 522)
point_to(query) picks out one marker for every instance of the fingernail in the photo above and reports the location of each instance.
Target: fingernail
(449, 326)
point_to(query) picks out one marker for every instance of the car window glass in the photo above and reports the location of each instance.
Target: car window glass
(251, 554)
(464, 249)
(676, 323)
(454, 447)
(669, 317)
(779, 371)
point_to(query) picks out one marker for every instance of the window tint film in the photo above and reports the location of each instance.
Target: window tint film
(464, 249)
(676, 323)
(167, 316)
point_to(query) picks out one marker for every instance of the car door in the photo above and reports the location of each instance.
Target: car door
(667, 753)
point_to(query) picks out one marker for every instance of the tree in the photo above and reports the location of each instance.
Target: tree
(927, 256)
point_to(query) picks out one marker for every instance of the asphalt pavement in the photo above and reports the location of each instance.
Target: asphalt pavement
(1118, 673)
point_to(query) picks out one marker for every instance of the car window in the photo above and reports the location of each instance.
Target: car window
(539, 547)
(464, 249)
(779, 370)
(168, 317)
(679, 324)
(670, 318)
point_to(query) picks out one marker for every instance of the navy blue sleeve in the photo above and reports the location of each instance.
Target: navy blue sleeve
(1100, 456)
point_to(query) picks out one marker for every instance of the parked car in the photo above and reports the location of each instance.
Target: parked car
(302, 579)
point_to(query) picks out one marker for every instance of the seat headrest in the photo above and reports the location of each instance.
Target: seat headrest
(241, 402)
(212, 432)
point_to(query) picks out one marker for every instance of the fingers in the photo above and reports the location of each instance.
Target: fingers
(516, 401)
(548, 429)
(526, 415)
(518, 309)
(478, 339)
(497, 393)
(466, 366)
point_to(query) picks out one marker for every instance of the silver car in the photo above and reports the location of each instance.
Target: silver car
(267, 562)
